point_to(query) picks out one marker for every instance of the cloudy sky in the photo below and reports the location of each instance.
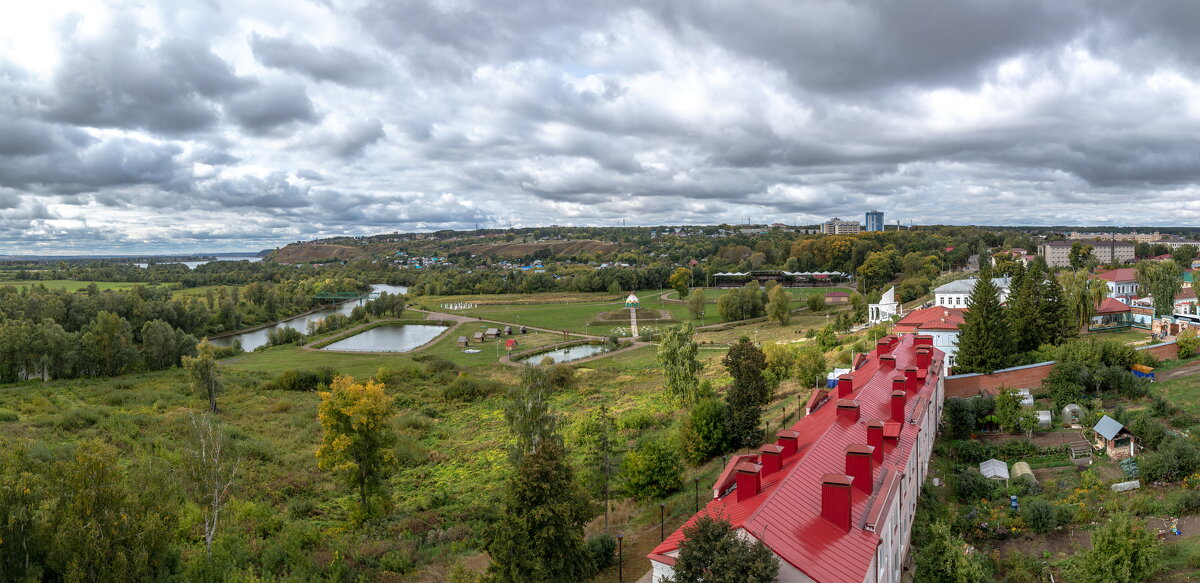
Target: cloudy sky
(210, 125)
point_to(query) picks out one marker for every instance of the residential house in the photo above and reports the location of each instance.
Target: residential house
(1122, 283)
(942, 324)
(1058, 253)
(1111, 314)
(1114, 438)
(956, 293)
(833, 497)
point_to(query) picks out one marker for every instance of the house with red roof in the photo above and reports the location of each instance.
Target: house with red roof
(1122, 283)
(1110, 315)
(833, 497)
(940, 323)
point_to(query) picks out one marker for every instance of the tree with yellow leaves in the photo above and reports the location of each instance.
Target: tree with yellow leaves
(359, 440)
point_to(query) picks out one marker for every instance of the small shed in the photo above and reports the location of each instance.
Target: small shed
(837, 298)
(510, 344)
(479, 336)
(462, 341)
(632, 302)
(524, 330)
(1072, 414)
(1045, 419)
(1022, 469)
(1111, 436)
(508, 330)
(492, 333)
(994, 469)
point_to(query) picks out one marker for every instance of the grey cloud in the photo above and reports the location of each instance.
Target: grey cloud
(332, 64)
(274, 107)
(271, 192)
(350, 141)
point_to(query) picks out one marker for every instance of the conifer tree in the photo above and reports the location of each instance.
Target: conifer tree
(985, 340)
(748, 393)
(1056, 312)
(1032, 323)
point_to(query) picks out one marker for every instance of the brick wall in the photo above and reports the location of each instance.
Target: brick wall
(1025, 377)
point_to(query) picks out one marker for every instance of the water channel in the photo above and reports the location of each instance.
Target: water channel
(194, 264)
(394, 338)
(567, 354)
(255, 338)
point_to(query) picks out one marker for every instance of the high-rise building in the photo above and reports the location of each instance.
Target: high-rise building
(874, 221)
(836, 226)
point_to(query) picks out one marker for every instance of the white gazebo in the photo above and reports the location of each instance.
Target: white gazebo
(886, 308)
(632, 301)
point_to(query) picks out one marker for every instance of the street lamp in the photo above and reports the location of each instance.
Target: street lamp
(697, 482)
(620, 558)
(662, 515)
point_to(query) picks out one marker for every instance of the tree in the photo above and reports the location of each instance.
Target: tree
(1008, 410)
(1123, 551)
(358, 441)
(748, 394)
(1183, 256)
(108, 344)
(703, 433)
(1083, 295)
(1080, 255)
(1161, 280)
(539, 538)
(1186, 343)
(595, 439)
(652, 470)
(209, 470)
(711, 552)
(680, 280)
(815, 302)
(943, 560)
(985, 340)
(1032, 319)
(696, 304)
(530, 420)
(779, 308)
(158, 345)
(678, 355)
(205, 373)
(811, 366)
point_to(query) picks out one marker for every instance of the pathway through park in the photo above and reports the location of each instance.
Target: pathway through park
(633, 322)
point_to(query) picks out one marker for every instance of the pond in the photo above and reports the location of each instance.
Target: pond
(255, 338)
(567, 354)
(394, 338)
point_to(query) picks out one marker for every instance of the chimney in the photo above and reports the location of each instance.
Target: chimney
(883, 345)
(923, 357)
(845, 386)
(747, 480)
(887, 362)
(899, 399)
(835, 499)
(860, 465)
(910, 374)
(926, 340)
(893, 340)
(788, 441)
(772, 460)
(875, 439)
(847, 409)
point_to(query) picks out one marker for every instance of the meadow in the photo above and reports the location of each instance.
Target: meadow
(71, 285)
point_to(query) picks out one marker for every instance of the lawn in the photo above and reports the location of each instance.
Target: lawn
(799, 294)
(71, 285)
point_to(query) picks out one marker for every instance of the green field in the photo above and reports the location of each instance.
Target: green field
(799, 294)
(71, 285)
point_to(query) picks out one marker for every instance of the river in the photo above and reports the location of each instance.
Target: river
(194, 264)
(255, 338)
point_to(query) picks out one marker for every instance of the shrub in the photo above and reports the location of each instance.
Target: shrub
(702, 433)
(1040, 515)
(302, 380)
(636, 421)
(413, 420)
(1186, 343)
(1175, 459)
(285, 335)
(600, 549)
(7, 416)
(973, 452)
(652, 471)
(561, 376)
(466, 388)
(971, 485)
(410, 452)
(1016, 449)
(434, 364)
(78, 418)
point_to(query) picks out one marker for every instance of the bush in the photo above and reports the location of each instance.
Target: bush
(636, 421)
(465, 388)
(1186, 343)
(1175, 459)
(973, 452)
(1187, 503)
(561, 376)
(702, 433)
(285, 335)
(971, 485)
(302, 380)
(600, 549)
(434, 364)
(652, 471)
(7, 416)
(78, 418)
(1040, 515)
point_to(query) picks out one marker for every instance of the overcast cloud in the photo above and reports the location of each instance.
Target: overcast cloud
(160, 126)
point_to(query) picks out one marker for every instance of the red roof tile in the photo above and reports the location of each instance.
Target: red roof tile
(786, 513)
(1112, 306)
(935, 318)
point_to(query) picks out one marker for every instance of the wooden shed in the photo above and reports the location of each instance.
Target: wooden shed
(479, 336)
(508, 330)
(1116, 441)
(492, 333)
(462, 341)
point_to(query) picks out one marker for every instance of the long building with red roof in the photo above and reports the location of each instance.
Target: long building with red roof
(834, 496)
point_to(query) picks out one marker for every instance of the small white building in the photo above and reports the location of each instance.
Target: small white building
(885, 309)
(940, 323)
(956, 293)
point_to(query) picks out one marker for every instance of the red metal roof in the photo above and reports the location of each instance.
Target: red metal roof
(786, 513)
(935, 318)
(1123, 274)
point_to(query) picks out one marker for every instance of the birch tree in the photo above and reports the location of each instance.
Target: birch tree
(210, 470)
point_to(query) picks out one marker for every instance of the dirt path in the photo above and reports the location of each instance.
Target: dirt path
(1186, 370)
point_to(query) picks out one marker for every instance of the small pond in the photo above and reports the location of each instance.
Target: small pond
(394, 338)
(255, 338)
(567, 354)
